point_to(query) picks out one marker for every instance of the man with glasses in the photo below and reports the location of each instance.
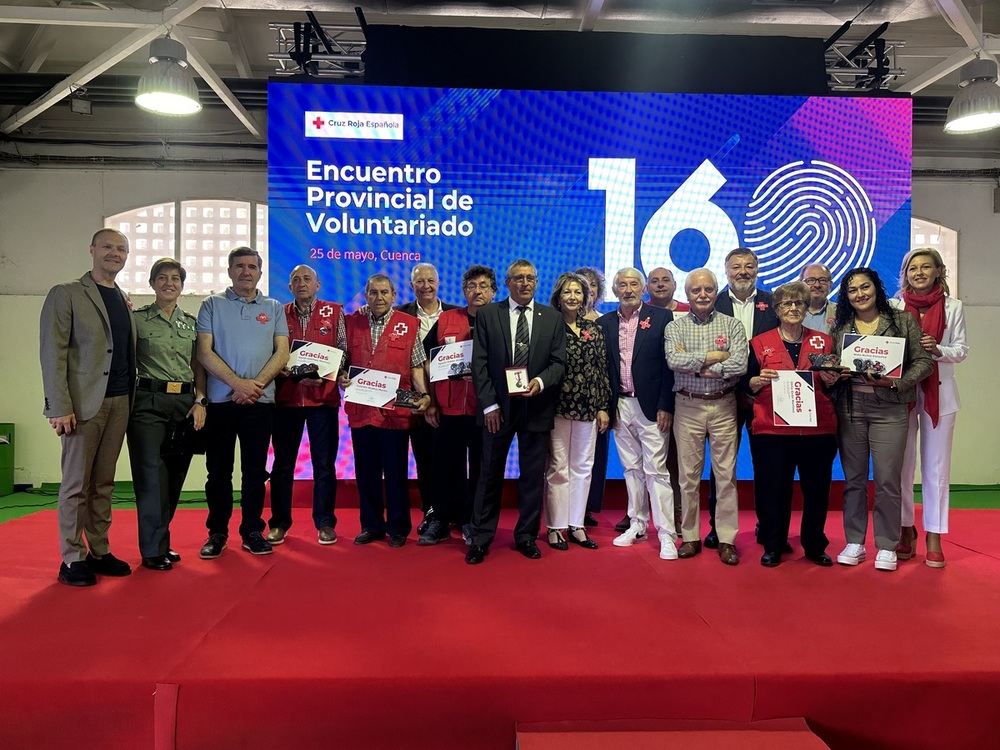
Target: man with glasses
(512, 336)
(457, 440)
(821, 312)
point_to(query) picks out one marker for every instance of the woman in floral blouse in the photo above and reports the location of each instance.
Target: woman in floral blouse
(582, 412)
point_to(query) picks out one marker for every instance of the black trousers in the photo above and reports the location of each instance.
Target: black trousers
(776, 457)
(251, 425)
(458, 457)
(533, 453)
(380, 453)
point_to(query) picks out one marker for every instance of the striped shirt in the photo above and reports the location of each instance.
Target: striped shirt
(688, 340)
(627, 328)
(417, 355)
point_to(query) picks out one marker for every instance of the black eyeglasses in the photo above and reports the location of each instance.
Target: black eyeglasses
(817, 280)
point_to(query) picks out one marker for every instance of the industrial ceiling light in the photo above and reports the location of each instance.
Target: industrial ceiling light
(976, 107)
(167, 87)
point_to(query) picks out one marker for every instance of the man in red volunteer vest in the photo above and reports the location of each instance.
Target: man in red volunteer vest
(312, 402)
(457, 439)
(381, 339)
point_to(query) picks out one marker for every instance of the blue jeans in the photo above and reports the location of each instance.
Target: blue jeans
(251, 425)
(324, 439)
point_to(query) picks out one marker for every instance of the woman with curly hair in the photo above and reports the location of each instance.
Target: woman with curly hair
(873, 416)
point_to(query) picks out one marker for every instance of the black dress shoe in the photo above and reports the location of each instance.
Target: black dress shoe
(397, 540)
(160, 562)
(422, 527)
(589, 520)
(822, 559)
(529, 549)
(108, 565)
(770, 559)
(586, 542)
(475, 555)
(76, 574)
(367, 537)
(712, 540)
(622, 525)
(173, 556)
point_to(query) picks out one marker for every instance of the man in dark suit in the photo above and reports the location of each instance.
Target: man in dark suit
(512, 336)
(754, 308)
(642, 405)
(426, 308)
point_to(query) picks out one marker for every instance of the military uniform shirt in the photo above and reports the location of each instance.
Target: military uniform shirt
(165, 347)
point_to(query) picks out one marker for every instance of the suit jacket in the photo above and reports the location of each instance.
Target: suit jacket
(75, 349)
(763, 320)
(953, 348)
(652, 378)
(492, 355)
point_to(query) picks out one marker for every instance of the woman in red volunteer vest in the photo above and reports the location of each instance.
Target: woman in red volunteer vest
(923, 291)
(795, 432)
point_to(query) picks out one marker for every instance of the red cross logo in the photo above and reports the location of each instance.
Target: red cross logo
(262, 319)
(721, 341)
(816, 342)
(318, 122)
(400, 329)
(326, 311)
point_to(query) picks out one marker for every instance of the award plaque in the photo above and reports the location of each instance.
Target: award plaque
(407, 399)
(517, 381)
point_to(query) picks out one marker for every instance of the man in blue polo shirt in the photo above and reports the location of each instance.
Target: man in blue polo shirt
(242, 344)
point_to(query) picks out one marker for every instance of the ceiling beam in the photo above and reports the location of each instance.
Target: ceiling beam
(958, 17)
(120, 18)
(8, 62)
(235, 41)
(591, 12)
(217, 85)
(38, 49)
(110, 57)
(939, 71)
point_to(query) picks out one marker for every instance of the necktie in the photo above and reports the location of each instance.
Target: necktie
(521, 338)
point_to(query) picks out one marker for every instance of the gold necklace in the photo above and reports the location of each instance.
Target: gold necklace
(867, 328)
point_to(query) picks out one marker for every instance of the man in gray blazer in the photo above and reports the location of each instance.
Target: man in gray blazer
(87, 352)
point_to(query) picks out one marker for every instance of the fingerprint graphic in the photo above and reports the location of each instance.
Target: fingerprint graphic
(809, 212)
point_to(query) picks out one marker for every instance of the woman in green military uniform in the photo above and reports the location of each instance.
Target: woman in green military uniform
(170, 390)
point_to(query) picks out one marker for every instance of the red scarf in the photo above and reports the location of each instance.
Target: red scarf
(932, 323)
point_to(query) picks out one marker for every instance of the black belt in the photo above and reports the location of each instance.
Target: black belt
(626, 394)
(174, 387)
(707, 396)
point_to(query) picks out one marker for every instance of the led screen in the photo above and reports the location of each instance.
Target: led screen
(368, 179)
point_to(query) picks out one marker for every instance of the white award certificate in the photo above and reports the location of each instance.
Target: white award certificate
(327, 359)
(879, 354)
(793, 397)
(451, 361)
(371, 388)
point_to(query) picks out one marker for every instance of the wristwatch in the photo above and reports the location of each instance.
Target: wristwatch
(203, 400)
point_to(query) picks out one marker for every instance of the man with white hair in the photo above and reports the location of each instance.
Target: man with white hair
(641, 408)
(426, 308)
(707, 352)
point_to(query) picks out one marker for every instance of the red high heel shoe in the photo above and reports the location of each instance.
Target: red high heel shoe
(907, 547)
(934, 559)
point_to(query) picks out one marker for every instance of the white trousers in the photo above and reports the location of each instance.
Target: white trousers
(935, 467)
(567, 479)
(642, 449)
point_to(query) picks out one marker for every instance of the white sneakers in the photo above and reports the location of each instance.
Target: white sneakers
(635, 532)
(668, 550)
(852, 555)
(885, 560)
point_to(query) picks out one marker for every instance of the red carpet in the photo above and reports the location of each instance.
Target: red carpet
(371, 647)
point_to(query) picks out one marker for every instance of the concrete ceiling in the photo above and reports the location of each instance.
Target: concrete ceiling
(49, 50)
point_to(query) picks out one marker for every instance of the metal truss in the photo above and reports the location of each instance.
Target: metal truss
(856, 68)
(323, 52)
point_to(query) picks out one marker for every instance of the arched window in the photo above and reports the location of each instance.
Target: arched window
(924, 233)
(198, 233)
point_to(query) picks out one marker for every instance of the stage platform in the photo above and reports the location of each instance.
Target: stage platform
(372, 647)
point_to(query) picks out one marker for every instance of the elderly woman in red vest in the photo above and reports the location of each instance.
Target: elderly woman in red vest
(788, 436)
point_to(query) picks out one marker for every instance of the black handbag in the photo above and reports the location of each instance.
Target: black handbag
(185, 439)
